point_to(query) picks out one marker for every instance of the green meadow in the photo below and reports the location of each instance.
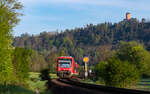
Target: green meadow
(34, 82)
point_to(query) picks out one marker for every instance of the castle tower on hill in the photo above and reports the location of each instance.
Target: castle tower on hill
(128, 16)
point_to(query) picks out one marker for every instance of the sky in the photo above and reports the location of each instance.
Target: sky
(57, 15)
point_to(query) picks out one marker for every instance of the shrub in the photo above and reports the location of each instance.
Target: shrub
(100, 69)
(117, 73)
(137, 55)
(46, 77)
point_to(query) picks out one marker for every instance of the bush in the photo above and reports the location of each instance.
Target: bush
(117, 73)
(45, 74)
(100, 70)
(46, 77)
(137, 55)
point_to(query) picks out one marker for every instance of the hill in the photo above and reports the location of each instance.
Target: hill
(96, 41)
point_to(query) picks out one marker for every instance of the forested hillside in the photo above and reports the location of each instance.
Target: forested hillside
(98, 42)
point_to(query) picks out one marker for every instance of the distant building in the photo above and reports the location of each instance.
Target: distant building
(128, 16)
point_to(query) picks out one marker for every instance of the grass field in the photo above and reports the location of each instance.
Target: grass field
(34, 82)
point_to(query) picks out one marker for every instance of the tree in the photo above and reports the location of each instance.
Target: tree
(62, 52)
(21, 64)
(37, 62)
(8, 19)
(52, 61)
(117, 73)
(102, 53)
(136, 54)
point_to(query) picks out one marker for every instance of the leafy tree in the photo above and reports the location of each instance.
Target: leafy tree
(8, 19)
(117, 73)
(37, 62)
(67, 43)
(52, 61)
(21, 64)
(136, 54)
(102, 53)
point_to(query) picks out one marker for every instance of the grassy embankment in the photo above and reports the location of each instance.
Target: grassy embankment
(144, 84)
(33, 83)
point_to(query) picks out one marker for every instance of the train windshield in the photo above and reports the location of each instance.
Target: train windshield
(64, 64)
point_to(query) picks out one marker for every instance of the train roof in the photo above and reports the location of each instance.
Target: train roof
(65, 57)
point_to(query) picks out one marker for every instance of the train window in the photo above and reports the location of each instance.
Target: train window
(64, 64)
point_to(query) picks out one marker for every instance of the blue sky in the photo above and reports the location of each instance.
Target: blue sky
(52, 15)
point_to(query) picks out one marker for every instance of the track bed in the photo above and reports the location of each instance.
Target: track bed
(72, 86)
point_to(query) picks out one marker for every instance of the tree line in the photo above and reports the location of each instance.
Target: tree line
(98, 42)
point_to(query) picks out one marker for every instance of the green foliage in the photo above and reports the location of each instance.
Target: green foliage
(52, 60)
(80, 70)
(8, 19)
(100, 72)
(62, 52)
(21, 64)
(67, 43)
(117, 73)
(10, 89)
(37, 62)
(45, 74)
(46, 77)
(11, 11)
(80, 51)
(35, 82)
(137, 55)
(100, 69)
(103, 53)
(96, 41)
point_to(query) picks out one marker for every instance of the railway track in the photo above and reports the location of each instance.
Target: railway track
(76, 87)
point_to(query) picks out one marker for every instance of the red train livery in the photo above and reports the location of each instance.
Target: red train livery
(66, 67)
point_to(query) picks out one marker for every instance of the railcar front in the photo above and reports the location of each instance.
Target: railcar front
(64, 67)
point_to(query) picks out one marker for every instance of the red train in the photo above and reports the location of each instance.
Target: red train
(66, 67)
